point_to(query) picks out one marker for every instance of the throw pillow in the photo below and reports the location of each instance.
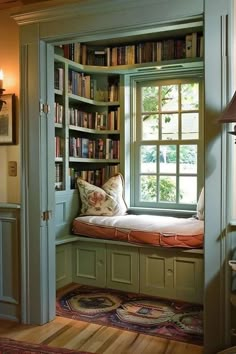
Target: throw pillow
(107, 200)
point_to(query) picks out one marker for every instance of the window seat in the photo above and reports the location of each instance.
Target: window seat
(154, 230)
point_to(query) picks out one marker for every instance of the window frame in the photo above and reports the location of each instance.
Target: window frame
(131, 149)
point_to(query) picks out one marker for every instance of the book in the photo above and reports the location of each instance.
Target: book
(194, 44)
(85, 147)
(58, 78)
(114, 56)
(77, 52)
(83, 49)
(188, 46)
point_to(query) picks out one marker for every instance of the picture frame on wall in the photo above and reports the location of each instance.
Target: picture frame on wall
(7, 119)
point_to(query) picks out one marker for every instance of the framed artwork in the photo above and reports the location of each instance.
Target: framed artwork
(7, 119)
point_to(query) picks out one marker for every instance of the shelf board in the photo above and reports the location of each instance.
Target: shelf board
(76, 98)
(58, 92)
(94, 131)
(89, 160)
(58, 125)
(66, 239)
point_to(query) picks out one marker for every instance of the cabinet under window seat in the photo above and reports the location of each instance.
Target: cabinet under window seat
(174, 272)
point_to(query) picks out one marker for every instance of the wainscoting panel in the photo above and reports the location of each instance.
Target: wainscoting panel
(9, 263)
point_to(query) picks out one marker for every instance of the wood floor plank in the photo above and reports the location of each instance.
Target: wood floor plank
(80, 335)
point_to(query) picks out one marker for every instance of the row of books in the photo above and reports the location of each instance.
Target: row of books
(58, 78)
(59, 146)
(97, 177)
(189, 45)
(101, 148)
(79, 84)
(58, 113)
(95, 120)
(58, 176)
(84, 85)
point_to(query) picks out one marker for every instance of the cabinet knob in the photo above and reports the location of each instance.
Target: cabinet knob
(169, 272)
(100, 262)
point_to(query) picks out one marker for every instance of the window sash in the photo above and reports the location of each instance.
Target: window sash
(137, 142)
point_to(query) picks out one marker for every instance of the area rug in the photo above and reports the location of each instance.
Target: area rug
(10, 346)
(154, 316)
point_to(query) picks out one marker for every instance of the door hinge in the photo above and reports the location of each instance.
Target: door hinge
(46, 215)
(44, 108)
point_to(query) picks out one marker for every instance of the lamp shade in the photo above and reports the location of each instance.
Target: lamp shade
(228, 115)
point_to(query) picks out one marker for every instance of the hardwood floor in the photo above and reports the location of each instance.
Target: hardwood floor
(71, 334)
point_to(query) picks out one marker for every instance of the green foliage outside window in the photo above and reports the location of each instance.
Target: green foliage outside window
(167, 189)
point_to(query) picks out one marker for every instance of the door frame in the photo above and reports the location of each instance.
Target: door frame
(37, 30)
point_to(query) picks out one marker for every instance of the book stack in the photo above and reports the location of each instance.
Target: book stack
(58, 78)
(58, 177)
(58, 113)
(95, 176)
(79, 84)
(59, 146)
(101, 148)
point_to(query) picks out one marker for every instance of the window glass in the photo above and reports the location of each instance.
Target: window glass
(150, 127)
(167, 190)
(169, 98)
(190, 96)
(190, 125)
(169, 124)
(148, 187)
(188, 159)
(148, 159)
(167, 159)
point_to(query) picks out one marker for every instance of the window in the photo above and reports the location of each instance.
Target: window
(166, 148)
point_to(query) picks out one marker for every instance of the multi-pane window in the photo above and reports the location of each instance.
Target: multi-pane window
(167, 143)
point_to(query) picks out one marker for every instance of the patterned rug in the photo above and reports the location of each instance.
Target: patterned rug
(10, 346)
(144, 314)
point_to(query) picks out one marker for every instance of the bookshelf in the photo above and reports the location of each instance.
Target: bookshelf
(87, 99)
(189, 45)
(87, 123)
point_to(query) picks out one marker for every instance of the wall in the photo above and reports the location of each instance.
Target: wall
(9, 63)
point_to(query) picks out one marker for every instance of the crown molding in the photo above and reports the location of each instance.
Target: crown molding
(16, 5)
(56, 10)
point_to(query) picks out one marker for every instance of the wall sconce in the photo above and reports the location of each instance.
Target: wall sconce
(229, 114)
(7, 116)
(1, 90)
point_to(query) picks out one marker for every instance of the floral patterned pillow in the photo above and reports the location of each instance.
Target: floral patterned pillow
(107, 200)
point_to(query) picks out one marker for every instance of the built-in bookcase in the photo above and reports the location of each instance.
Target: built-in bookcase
(87, 123)
(88, 115)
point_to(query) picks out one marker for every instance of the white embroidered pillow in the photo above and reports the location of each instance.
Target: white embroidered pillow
(107, 200)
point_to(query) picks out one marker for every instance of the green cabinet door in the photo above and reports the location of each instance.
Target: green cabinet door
(188, 277)
(10, 267)
(156, 273)
(123, 268)
(171, 274)
(63, 265)
(89, 263)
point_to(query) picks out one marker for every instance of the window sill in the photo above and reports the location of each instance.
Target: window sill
(162, 212)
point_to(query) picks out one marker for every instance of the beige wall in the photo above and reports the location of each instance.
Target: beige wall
(9, 63)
